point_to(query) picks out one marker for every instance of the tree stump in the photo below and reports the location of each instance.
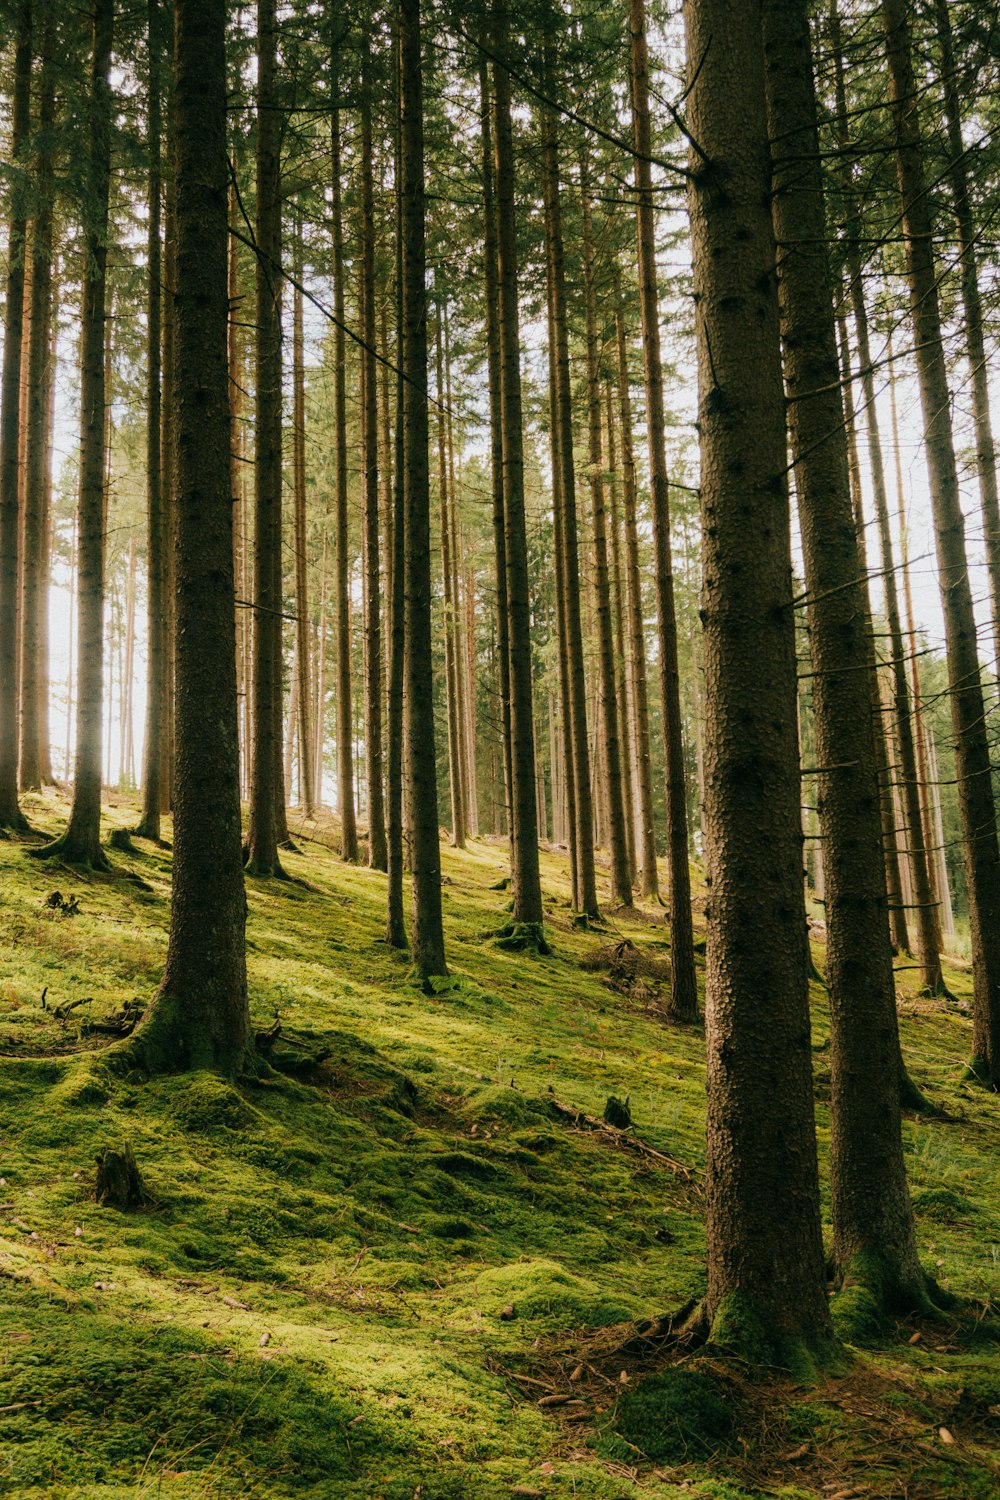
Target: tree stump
(119, 1182)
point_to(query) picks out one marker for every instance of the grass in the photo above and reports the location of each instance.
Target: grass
(359, 1279)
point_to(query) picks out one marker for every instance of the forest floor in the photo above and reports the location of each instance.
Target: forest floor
(393, 1268)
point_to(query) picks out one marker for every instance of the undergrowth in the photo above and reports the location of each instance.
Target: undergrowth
(362, 1273)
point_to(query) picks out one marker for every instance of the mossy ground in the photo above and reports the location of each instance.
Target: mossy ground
(316, 1300)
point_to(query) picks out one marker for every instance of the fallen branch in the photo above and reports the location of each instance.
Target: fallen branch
(624, 1138)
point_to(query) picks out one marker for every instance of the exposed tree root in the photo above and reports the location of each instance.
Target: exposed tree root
(522, 937)
(624, 1138)
(84, 854)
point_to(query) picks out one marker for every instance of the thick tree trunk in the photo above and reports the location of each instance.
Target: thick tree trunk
(766, 1280)
(199, 1017)
(972, 306)
(266, 774)
(621, 883)
(427, 944)
(377, 852)
(395, 922)
(567, 558)
(648, 876)
(303, 655)
(874, 1241)
(496, 421)
(149, 822)
(168, 484)
(81, 843)
(11, 816)
(972, 750)
(34, 760)
(683, 1003)
(524, 873)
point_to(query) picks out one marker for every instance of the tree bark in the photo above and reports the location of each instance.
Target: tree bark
(524, 874)
(451, 693)
(11, 816)
(34, 758)
(972, 752)
(81, 842)
(149, 821)
(766, 1281)
(621, 883)
(303, 655)
(648, 875)
(377, 852)
(267, 775)
(972, 306)
(874, 1241)
(683, 1004)
(341, 541)
(199, 1017)
(567, 552)
(621, 665)
(427, 943)
(395, 922)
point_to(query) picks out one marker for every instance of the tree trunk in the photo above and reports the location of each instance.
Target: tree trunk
(377, 852)
(648, 876)
(428, 930)
(303, 658)
(874, 1241)
(149, 821)
(622, 673)
(890, 844)
(496, 421)
(342, 575)
(267, 776)
(37, 484)
(564, 496)
(621, 883)
(452, 706)
(683, 1003)
(766, 1281)
(972, 751)
(81, 842)
(395, 922)
(167, 475)
(11, 816)
(199, 1017)
(972, 306)
(524, 872)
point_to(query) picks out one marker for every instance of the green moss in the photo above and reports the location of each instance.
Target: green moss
(675, 1416)
(203, 1104)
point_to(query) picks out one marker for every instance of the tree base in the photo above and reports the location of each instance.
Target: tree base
(978, 1070)
(872, 1293)
(522, 937)
(86, 854)
(740, 1329)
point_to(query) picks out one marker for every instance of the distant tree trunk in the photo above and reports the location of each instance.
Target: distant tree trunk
(621, 883)
(149, 822)
(167, 474)
(266, 775)
(496, 421)
(303, 655)
(972, 306)
(461, 674)
(35, 769)
(874, 1241)
(890, 846)
(199, 1017)
(766, 1279)
(452, 705)
(623, 676)
(11, 816)
(395, 922)
(683, 1004)
(972, 750)
(648, 876)
(81, 842)
(428, 930)
(472, 778)
(923, 914)
(377, 852)
(524, 873)
(568, 561)
(341, 542)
